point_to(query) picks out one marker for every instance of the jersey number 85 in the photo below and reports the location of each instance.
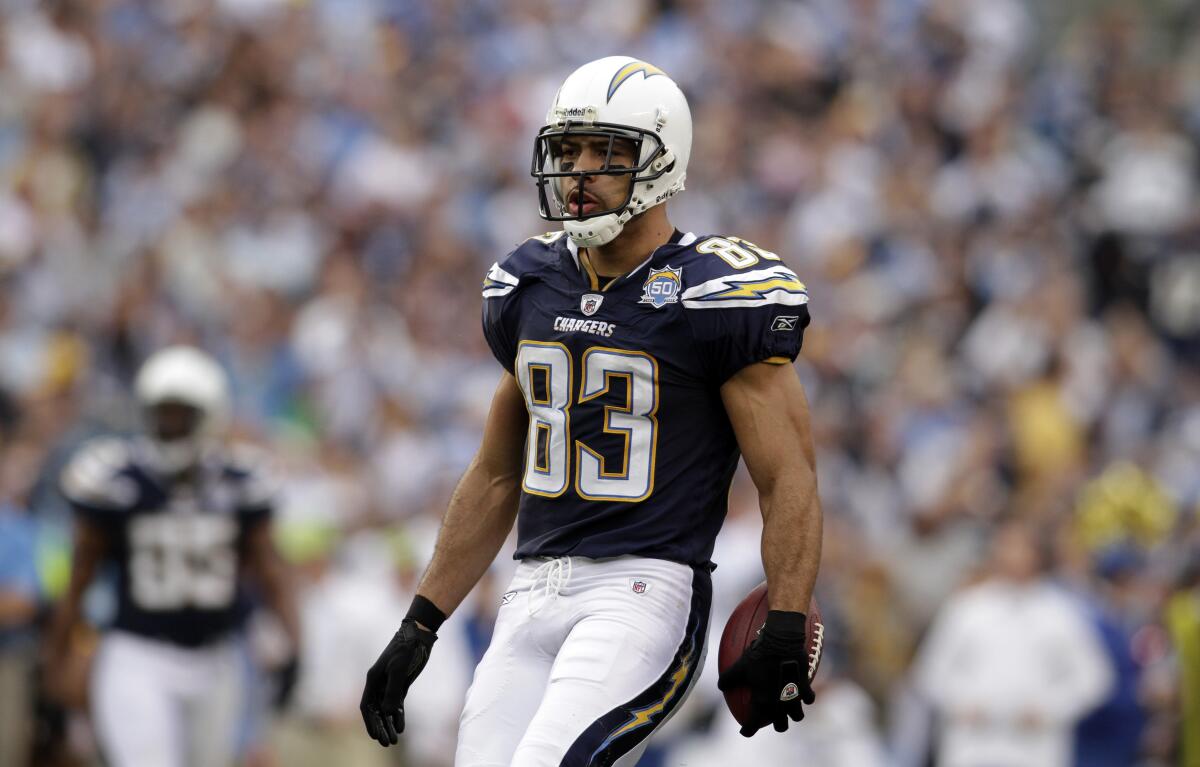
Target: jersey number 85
(182, 560)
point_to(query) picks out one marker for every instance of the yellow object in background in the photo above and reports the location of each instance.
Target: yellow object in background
(1047, 439)
(1182, 616)
(53, 562)
(1123, 503)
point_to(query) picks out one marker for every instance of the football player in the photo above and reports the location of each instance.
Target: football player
(183, 518)
(640, 362)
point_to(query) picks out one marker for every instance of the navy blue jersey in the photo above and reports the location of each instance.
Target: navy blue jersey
(629, 449)
(178, 546)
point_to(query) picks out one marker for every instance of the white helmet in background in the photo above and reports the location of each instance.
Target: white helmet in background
(621, 97)
(182, 375)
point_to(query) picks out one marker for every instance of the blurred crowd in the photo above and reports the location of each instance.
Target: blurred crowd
(994, 206)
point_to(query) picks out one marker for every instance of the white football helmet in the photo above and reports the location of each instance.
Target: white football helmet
(187, 376)
(614, 97)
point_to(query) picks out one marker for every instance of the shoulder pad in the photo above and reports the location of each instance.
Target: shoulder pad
(97, 475)
(526, 259)
(244, 458)
(729, 272)
(254, 470)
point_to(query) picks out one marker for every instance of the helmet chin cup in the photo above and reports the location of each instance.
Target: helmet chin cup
(176, 456)
(594, 232)
(601, 230)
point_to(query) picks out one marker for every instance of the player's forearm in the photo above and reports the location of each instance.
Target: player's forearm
(66, 614)
(769, 414)
(283, 604)
(85, 560)
(791, 541)
(278, 592)
(478, 519)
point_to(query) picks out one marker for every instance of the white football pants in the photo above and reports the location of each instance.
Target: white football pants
(588, 658)
(156, 704)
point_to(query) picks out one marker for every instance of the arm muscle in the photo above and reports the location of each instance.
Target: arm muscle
(272, 574)
(769, 413)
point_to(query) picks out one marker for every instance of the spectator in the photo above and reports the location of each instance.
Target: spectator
(1183, 621)
(1111, 736)
(20, 601)
(1010, 664)
(342, 618)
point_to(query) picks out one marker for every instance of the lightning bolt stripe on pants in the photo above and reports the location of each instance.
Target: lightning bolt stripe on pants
(620, 730)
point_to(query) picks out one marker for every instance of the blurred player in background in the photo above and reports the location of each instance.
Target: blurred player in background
(184, 519)
(640, 360)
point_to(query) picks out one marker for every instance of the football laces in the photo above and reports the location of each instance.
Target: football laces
(814, 657)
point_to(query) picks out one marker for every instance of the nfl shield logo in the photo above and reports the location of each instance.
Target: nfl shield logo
(590, 303)
(639, 587)
(662, 287)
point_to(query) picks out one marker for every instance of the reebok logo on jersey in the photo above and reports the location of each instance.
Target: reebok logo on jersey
(508, 597)
(785, 322)
(595, 327)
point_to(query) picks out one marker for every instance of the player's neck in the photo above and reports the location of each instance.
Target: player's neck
(637, 240)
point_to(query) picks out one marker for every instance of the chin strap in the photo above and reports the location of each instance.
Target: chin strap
(177, 456)
(173, 459)
(601, 230)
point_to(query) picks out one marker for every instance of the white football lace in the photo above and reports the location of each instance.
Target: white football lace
(554, 574)
(814, 657)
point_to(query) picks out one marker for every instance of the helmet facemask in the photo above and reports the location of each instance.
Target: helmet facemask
(554, 193)
(178, 431)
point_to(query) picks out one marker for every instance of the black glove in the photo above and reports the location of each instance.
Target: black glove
(285, 677)
(388, 680)
(775, 668)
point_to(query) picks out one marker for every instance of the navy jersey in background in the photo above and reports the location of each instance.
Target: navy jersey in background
(178, 546)
(629, 449)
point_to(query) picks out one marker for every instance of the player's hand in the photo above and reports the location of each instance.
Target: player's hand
(775, 668)
(389, 679)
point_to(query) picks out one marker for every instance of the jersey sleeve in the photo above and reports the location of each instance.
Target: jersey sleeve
(95, 480)
(742, 317)
(498, 287)
(257, 485)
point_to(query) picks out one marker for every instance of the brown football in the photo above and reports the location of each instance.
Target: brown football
(743, 625)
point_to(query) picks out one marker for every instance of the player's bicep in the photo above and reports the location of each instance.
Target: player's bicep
(730, 338)
(502, 451)
(769, 413)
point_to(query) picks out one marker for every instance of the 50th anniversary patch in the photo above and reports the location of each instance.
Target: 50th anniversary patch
(662, 287)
